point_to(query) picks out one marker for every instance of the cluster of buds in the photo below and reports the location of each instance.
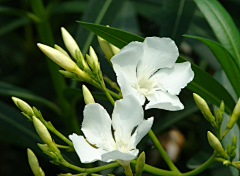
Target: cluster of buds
(39, 123)
(234, 117)
(231, 148)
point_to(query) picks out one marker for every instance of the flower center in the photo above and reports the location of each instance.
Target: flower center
(145, 85)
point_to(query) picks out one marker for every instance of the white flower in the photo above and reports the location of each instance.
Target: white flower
(148, 70)
(96, 126)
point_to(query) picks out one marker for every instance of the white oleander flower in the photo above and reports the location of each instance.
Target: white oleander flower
(97, 127)
(148, 70)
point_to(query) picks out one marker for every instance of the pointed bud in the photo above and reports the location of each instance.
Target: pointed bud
(42, 131)
(105, 48)
(61, 50)
(140, 164)
(88, 98)
(23, 106)
(70, 43)
(232, 155)
(222, 107)
(33, 162)
(115, 49)
(235, 115)
(93, 55)
(202, 105)
(216, 144)
(81, 61)
(90, 62)
(62, 60)
(70, 75)
(44, 148)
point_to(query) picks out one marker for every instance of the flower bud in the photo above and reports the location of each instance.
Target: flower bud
(69, 74)
(63, 61)
(216, 144)
(42, 131)
(93, 55)
(90, 62)
(140, 164)
(61, 50)
(88, 98)
(234, 116)
(33, 162)
(202, 105)
(105, 48)
(70, 43)
(23, 106)
(222, 107)
(115, 49)
(81, 61)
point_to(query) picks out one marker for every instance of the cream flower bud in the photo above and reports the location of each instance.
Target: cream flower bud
(105, 48)
(62, 60)
(23, 106)
(70, 43)
(115, 49)
(93, 55)
(216, 144)
(202, 105)
(61, 50)
(42, 131)
(88, 98)
(33, 162)
(90, 62)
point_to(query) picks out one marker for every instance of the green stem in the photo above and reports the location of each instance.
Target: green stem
(225, 132)
(63, 146)
(156, 171)
(100, 168)
(162, 151)
(46, 36)
(109, 96)
(51, 128)
(203, 167)
(111, 83)
(128, 170)
(113, 94)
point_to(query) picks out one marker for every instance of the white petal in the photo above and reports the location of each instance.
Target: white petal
(164, 100)
(127, 89)
(142, 130)
(116, 154)
(96, 125)
(127, 114)
(126, 60)
(86, 152)
(175, 78)
(158, 53)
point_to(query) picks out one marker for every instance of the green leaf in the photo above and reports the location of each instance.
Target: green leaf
(225, 59)
(69, 7)
(203, 84)
(222, 25)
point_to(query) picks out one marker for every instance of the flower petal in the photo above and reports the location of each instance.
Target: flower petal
(86, 152)
(126, 60)
(141, 131)
(127, 89)
(127, 114)
(164, 100)
(118, 155)
(158, 53)
(175, 78)
(96, 125)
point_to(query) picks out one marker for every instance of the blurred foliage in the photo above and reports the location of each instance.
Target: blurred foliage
(24, 72)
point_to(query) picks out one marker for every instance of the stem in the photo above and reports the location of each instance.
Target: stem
(111, 83)
(225, 132)
(201, 168)
(63, 146)
(109, 96)
(100, 168)
(156, 171)
(128, 170)
(113, 94)
(51, 128)
(162, 151)
(71, 166)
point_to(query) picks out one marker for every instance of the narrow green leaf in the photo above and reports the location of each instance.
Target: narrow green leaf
(222, 25)
(203, 84)
(225, 59)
